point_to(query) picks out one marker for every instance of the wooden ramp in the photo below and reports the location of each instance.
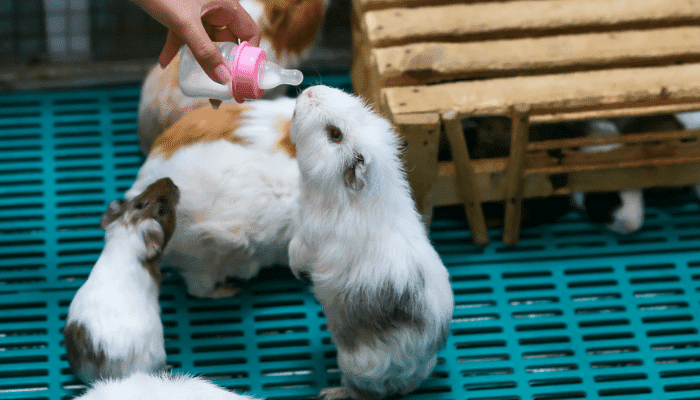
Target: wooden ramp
(428, 64)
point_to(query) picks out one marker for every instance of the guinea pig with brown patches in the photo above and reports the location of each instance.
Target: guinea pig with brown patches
(161, 386)
(385, 292)
(113, 327)
(289, 29)
(239, 182)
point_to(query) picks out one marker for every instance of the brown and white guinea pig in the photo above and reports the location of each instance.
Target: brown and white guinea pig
(161, 386)
(622, 211)
(113, 327)
(384, 291)
(289, 28)
(239, 182)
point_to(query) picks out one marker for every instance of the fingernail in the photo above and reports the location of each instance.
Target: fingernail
(223, 75)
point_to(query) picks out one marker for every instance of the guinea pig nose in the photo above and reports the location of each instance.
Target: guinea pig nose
(308, 93)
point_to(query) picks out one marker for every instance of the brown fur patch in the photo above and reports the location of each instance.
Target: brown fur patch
(201, 125)
(292, 24)
(284, 143)
(79, 347)
(153, 268)
(158, 202)
(155, 245)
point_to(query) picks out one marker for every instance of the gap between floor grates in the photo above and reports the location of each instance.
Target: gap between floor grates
(572, 312)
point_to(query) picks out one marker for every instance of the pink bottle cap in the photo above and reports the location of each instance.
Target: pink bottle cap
(246, 64)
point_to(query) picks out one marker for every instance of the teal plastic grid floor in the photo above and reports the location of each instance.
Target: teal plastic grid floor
(572, 312)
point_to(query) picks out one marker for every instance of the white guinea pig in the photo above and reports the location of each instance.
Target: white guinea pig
(385, 293)
(113, 326)
(163, 386)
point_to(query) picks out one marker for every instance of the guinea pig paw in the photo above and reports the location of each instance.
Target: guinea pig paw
(334, 393)
(224, 290)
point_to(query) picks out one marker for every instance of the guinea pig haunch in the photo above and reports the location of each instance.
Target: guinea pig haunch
(160, 386)
(113, 326)
(384, 291)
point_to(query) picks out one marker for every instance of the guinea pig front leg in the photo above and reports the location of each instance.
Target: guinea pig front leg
(199, 284)
(300, 257)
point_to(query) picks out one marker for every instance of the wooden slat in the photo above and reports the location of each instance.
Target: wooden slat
(631, 111)
(521, 18)
(465, 178)
(421, 139)
(603, 140)
(623, 157)
(422, 63)
(578, 91)
(513, 191)
(370, 5)
(490, 179)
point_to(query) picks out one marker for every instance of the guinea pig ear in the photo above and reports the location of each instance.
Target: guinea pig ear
(114, 211)
(154, 240)
(355, 173)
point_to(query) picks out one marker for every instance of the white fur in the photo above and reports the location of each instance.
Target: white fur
(367, 239)
(236, 201)
(118, 305)
(629, 216)
(141, 386)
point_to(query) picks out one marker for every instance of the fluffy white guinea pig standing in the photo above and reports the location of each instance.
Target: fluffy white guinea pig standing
(289, 29)
(385, 293)
(113, 326)
(162, 386)
(239, 184)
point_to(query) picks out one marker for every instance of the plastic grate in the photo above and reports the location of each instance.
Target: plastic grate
(572, 312)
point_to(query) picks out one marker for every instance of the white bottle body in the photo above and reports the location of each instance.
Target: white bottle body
(194, 82)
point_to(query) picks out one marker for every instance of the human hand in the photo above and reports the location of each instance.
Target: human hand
(199, 23)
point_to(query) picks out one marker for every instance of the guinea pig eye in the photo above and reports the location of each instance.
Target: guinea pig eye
(140, 205)
(334, 134)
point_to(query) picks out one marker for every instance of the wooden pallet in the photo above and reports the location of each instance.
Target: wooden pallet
(428, 64)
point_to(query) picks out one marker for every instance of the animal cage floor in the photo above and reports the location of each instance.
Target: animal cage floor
(572, 312)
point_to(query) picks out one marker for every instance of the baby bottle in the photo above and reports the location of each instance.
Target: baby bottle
(251, 71)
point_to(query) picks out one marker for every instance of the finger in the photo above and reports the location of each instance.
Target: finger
(170, 49)
(231, 14)
(219, 13)
(245, 28)
(207, 54)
